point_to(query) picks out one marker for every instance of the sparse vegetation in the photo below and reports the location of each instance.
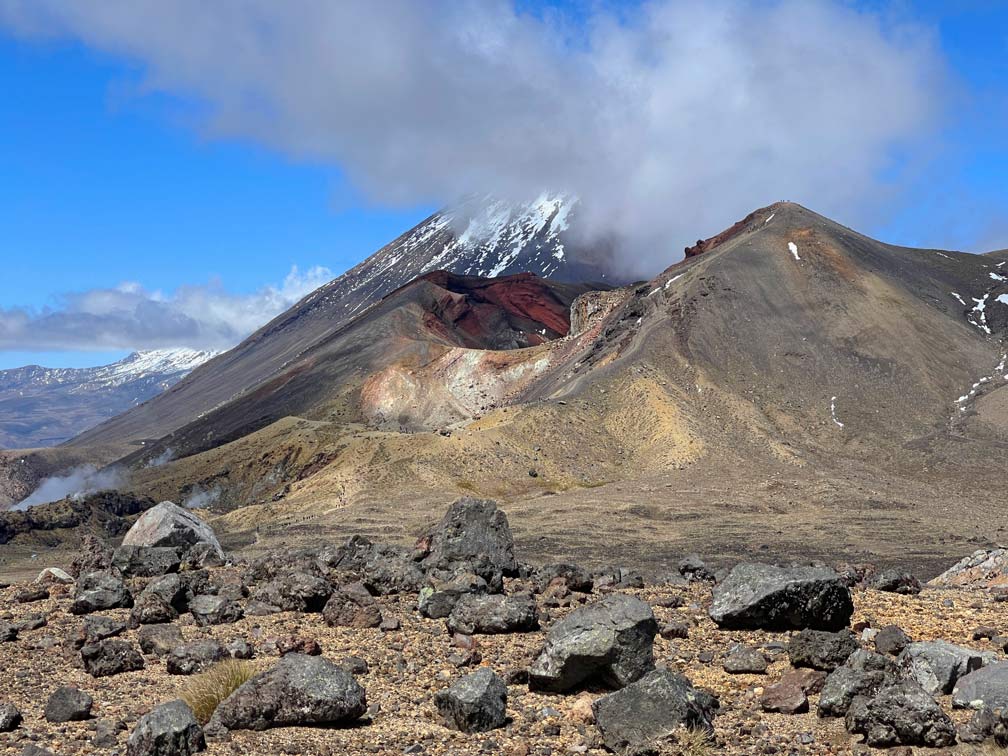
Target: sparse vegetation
(205, 691)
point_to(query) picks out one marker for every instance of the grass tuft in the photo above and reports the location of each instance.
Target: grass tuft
(205, 691)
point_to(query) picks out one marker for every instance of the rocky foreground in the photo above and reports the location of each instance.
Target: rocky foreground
(456, 647)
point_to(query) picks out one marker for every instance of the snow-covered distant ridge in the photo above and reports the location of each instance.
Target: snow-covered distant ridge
(42, 406)
(159, 365)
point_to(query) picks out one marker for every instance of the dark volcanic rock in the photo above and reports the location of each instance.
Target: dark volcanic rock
(744, 660)
(97, 627)
(31, 593)
(891, 640)
(8, 632)
(820, 649)
(195, 656)
(352, 606)
(68, 704)
(437, 601)
(902, 713)
(10, 717)
(937, 665)
(896, 581)
(473, 532)
(147, 561)
(576, 578)
(474, 703)
(111, 657)
(651, 708)
(611, 641)
(294, 592)
(984, 687)
(843, 685)
(170, 729)
(384, 570)
(493, 613)
(214, 610)
(159, 639)
(97, 591)
(299, 691)
(766, 597)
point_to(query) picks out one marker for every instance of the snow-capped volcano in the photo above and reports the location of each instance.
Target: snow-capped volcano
(480, 236)
(42, 406)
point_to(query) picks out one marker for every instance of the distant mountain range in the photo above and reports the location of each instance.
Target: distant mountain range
(42, 406)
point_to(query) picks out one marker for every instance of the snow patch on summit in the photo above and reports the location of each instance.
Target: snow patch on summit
(794, 250)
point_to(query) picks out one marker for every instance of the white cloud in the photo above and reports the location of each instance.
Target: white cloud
(130, 317)
(669, 122)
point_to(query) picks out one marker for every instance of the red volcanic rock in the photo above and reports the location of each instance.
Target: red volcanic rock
(732, 231)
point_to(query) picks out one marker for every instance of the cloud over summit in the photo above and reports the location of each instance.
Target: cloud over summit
(669, 121)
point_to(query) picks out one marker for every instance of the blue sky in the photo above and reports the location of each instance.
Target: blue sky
(110, 174)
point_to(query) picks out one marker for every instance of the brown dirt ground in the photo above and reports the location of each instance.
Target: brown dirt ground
(408, 666)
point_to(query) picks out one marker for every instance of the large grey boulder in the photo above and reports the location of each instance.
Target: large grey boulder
(493, 614)
(474, 703)
(299, 691)
(984, 687)
(159, 640)
(97, 591)
(473, 532)
(652, 707)
(611, 641)
(68, 704)
(170, 729)
(937, 665)
(902, 713)
(862, 674)
(168, 524)
(766, 597)
(821, 649)
(437, 599)
(384, 570)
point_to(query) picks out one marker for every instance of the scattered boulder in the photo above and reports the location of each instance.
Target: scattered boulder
(195, 656)
(159, 640)
(10, 717)
(111, 657)
(68, 704)
(493, 614)
(214, 610)
(299, 691)
(29, 594)
(170, 525)
(891, 640)
(843, 685)
(384, 570)
(473, 532)
(790, 694)
(474, 703)
(901, 713)
(984, 687)
(147, 561)
(294, 592)
(576, 578)
(611, 641)
(984, 568)
(652, 707)
(695, 570)
(767, 597)
(352, 606)
(820, 649)
(8, 632)
(97, 627)
(170, 729)
(97, 591)
(437, 601)
(896, 581)
(985, 724)
(744, 660)
(937, 665)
